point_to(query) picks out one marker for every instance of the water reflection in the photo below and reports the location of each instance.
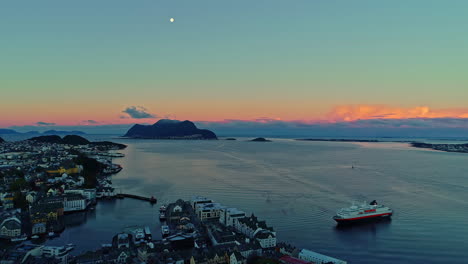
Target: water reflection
(365, 226)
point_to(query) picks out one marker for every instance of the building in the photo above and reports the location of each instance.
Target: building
(237, 258)
(315, 257)
(39, 228)
(48, 209)
(122, 240)
(10, 227)
(74, 202)
(228, 215)
(291, 260)
(31, 197)
(208, 211)
(89, 194)
(58, 253)
(103, 192)
(199, 200)
(266, 238)
(64, 170)
(250, 226)
(7, 200)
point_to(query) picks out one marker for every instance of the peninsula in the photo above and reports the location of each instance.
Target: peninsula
(338, 140)
(4, 131)
(169, 129)
(462, 148)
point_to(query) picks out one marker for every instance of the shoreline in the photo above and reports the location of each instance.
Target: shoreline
(453, 147)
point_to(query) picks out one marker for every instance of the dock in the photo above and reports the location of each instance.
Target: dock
(138, 197)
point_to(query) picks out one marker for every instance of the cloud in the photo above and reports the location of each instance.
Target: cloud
(137, 112)
(349, 113)
(44, 124)
(89, 122)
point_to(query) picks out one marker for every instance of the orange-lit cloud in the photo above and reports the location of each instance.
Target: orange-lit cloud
(348, 113)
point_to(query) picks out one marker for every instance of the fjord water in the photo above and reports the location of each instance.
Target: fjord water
(296, 186)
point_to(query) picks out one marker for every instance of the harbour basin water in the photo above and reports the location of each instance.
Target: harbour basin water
(296, 186)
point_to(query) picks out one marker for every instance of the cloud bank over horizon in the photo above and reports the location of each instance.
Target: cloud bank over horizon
(364, 112)
(411, 127)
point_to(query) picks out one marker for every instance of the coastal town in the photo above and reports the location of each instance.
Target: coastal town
(44, 178)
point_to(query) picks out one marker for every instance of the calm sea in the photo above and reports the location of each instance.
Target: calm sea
(296, 186)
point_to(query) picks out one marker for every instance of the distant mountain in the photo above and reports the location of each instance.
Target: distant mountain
(69, 139)
(48, 139)
(1, 140)
(76, 140)
(7, 131)
(4, 131)
(170, 129)
(59, 132)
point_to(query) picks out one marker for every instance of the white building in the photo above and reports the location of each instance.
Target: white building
(31, 197)
(228, 215)
(103, 192)
(208, 211)
(10, 227)
(89, 194)
(74, 202)
(60, 253)
(39, 228)
(266, 238)
(315, 257)
(250, 226)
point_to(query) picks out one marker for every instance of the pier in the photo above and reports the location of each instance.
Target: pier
(141, 198)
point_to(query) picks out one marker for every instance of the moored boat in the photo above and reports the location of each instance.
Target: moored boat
(363, 212)
(165, 230)
(19, 239)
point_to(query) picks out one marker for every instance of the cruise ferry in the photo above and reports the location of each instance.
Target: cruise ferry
(362, 212)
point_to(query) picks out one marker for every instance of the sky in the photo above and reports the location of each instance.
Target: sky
(89, 63)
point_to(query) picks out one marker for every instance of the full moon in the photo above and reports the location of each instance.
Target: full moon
(172, 20)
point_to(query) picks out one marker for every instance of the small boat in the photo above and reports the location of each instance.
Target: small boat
(19, 239)
(165, 230)
(147, 233)
(51, 234)
(35, 237)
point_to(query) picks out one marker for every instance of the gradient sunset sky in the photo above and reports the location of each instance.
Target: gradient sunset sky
(93, 62)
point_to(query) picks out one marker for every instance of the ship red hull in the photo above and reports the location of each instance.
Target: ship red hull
(363, 218)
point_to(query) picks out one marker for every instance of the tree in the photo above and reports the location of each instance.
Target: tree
(91, 169)
(19, 201)
(18, 185)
